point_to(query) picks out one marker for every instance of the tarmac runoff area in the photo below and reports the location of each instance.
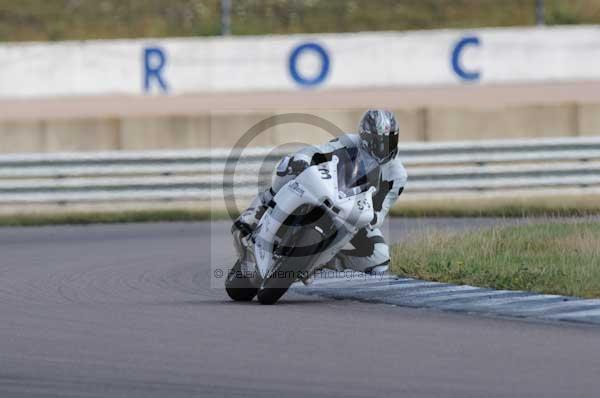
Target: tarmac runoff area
(131, 311)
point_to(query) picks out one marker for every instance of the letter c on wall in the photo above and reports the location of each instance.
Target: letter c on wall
(293, 64)
(461, 72)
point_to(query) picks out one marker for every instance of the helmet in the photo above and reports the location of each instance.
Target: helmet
(378, 131)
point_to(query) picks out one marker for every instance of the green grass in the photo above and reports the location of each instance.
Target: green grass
(537, 206)
(559, 258)
(557, 206)
(86, 218)
(511, 211)
(107, 19)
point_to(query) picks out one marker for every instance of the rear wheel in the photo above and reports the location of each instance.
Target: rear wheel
(299, 258)
(238, 286)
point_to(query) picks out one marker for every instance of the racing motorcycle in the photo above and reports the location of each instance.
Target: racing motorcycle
(307, 223)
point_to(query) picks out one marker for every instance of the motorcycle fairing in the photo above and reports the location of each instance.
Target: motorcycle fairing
(316, 186)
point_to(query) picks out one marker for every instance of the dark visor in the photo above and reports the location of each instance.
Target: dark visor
(383, 145)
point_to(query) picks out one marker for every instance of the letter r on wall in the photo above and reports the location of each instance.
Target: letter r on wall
(154, 61)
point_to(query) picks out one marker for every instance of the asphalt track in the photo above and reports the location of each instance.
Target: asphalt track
(128, 311)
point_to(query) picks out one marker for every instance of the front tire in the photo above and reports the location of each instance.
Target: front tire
(239, 287)
(292, 265)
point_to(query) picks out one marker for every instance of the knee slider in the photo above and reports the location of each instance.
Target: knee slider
(378, 269)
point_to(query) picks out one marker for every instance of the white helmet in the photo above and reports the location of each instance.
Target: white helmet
(379, 132)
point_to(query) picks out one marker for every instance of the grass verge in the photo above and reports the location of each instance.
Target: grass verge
(107, 19)
(557, 206)
(85, 218)
(535, 206)
(558, 258)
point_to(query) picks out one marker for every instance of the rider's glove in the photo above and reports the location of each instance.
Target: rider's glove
(244, 228)
(296, 167)
(291, 166)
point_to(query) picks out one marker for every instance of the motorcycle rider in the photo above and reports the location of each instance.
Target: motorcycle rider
(377, 134)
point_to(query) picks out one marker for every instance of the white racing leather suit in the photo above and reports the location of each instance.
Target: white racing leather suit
(367, 251)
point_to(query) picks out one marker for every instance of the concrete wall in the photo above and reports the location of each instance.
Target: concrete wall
(443, 85)
(295, 62)
(224, 129)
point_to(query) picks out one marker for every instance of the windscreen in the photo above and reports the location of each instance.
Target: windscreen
(357, 171)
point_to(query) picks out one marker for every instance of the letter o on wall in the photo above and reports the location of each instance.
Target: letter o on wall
(457, 67)
(293, 64)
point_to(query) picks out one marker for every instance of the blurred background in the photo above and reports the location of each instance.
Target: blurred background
(53, 20)
(135, 104)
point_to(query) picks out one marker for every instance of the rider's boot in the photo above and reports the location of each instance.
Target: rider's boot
(335, 263)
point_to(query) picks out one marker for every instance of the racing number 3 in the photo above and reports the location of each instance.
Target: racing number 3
(325, 174)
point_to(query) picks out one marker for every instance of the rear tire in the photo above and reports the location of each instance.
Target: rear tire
(239, 287)
(270, 296)
(296, 262)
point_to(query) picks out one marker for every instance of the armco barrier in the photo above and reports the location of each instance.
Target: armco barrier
(441, 169)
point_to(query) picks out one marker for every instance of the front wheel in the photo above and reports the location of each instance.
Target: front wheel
(238, 286)
(299, 258)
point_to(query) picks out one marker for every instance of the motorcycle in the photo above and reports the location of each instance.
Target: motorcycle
(307, 223)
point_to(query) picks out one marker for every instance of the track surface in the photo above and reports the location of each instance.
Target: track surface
(128, 311)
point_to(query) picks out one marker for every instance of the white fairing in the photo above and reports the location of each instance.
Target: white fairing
(314, 186)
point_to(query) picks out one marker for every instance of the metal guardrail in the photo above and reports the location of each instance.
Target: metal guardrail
(434, 169)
